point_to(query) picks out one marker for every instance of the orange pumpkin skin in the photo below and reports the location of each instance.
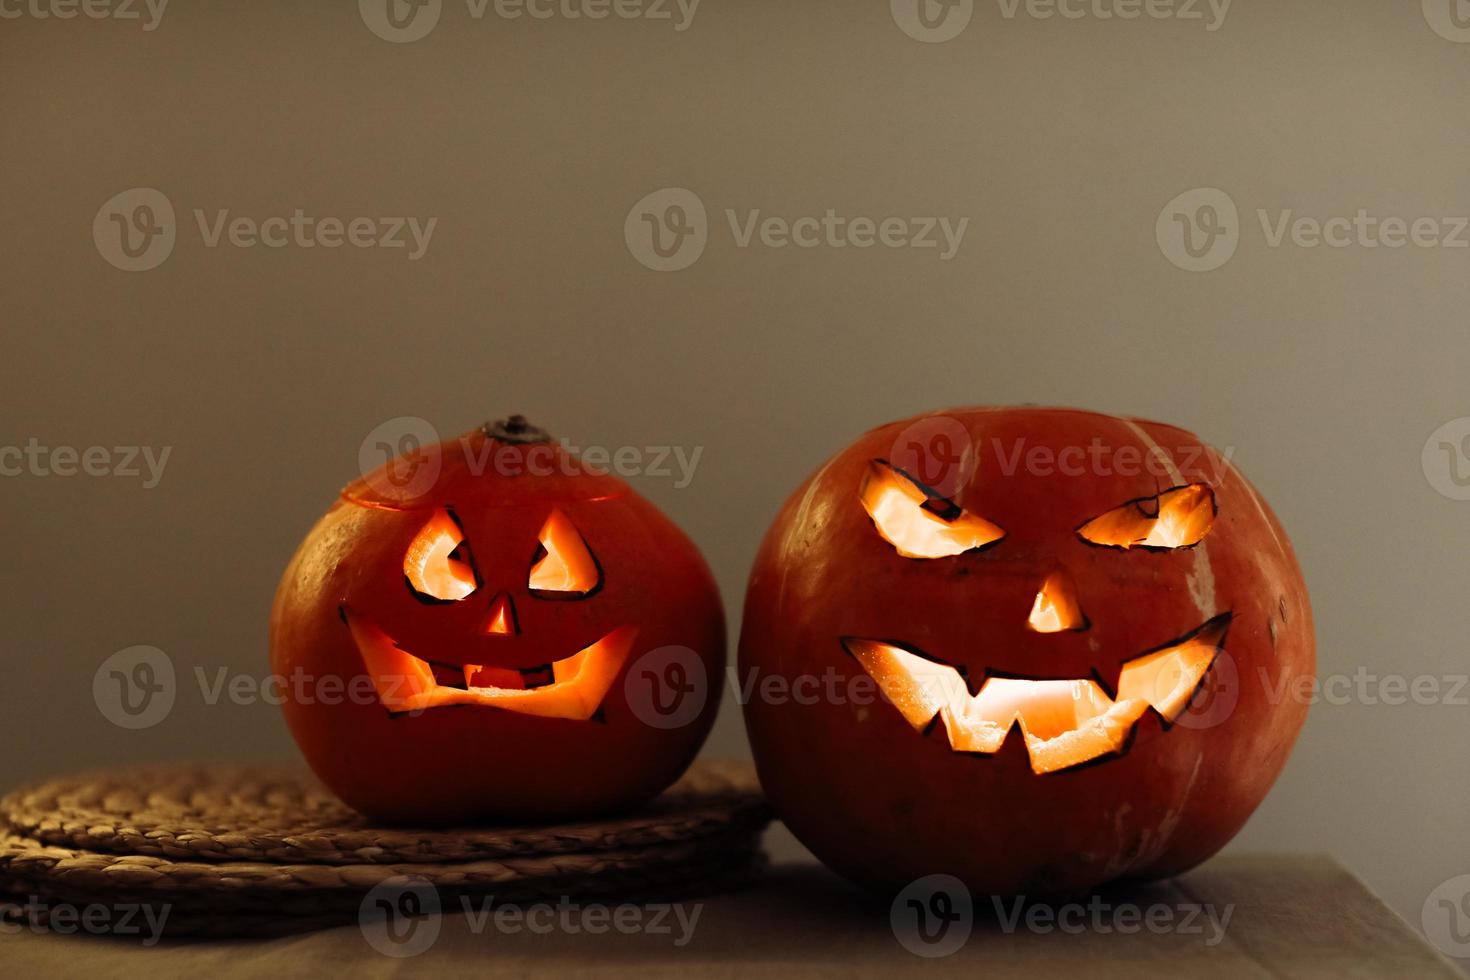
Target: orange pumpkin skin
(884, 803)
(455, 764)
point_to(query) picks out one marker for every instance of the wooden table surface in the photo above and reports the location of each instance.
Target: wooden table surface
(1235, 917)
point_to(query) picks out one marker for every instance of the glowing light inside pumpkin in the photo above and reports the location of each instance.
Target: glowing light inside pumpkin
(1056, 607)
(502, 620)
(576, 688)
(916, 524)
(436, 563)
(1175, 518)
(1064, 722)
(566, 565)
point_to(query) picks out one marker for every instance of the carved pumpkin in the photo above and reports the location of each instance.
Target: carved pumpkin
(460, 654)
(1053, 657)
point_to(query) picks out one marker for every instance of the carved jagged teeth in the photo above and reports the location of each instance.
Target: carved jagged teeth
(530, 678)
(534, 677)
(1065, 722)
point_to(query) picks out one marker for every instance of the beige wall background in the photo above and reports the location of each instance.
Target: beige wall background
(1327, 369)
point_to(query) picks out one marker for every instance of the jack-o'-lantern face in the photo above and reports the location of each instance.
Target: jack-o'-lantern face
(440, 570)
(1065, 722)
(1069, 632)
(471, 649)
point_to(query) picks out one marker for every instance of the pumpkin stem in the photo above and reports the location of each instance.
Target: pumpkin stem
(515, 430)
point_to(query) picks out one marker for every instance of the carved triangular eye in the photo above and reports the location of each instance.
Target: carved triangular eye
(1179, 517)
(920, 523)
(564, 567)
(438, 564)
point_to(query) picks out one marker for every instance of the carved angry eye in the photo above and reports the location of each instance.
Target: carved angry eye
(1179, 517)
(564, 567)
(438, 564)
(916, 520)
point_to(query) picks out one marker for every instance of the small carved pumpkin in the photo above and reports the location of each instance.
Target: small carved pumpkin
(478, 635)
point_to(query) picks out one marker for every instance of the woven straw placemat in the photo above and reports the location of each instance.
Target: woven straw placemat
(261, 813)
(237, 850)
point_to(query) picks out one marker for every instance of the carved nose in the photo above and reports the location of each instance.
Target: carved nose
(1056, 607)
(502, 616)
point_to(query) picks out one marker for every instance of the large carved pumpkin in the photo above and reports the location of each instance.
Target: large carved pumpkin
(1040, 649)
(462, 652)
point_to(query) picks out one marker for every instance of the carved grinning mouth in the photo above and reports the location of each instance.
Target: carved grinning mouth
(1065, 723)
(572, 687)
